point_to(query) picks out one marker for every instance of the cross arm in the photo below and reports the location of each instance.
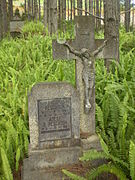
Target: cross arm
(100, 48)
(109, 51)
(62, 51)
(84, 50)
(72, 50)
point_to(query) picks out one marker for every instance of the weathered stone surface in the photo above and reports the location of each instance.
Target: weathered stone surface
(40, 159)
(53, 114)
(54, 122)
(91, 143)
(43, 175)
(54, 117)
(41, 162)
(47, 174)
(59, 143)
(87, 121)
(85, 39)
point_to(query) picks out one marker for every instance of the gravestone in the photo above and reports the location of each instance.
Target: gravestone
(16, 26)
(57, 111)
(84, 49)
(54, 130)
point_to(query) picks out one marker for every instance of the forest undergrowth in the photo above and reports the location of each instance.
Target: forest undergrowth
(27, 60)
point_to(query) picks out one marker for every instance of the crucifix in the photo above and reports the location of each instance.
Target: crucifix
(85, 49)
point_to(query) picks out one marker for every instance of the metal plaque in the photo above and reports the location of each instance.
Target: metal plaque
(54, 117)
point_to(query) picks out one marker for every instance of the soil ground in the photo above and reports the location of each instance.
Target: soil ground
(81, 169)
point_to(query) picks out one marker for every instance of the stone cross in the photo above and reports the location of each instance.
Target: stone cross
(84, 49)
(87, 57)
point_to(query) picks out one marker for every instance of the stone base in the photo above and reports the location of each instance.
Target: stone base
(46, 174)
(91, 142)
(42, 164)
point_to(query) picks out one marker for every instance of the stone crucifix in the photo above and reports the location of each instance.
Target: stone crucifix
(88, 74)
(84, 49)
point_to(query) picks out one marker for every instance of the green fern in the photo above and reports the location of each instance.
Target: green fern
(93, 155)
(6, 165)
(72, 176)
(17, 158)
(107, 168)
(132, 160)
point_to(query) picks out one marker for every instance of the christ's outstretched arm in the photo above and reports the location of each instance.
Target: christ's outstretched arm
(99, 49)
(72, 50)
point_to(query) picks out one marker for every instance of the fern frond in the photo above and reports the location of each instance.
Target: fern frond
(132, 160)
(26, 142)
(100, 119)
(18, 155)
(114, 102)
(9, 149)
(107, 168)
(105, 109)
(112, 143)
(119, 161)
(93, 155)
(104, 146)
(5, 165)
(72, 176)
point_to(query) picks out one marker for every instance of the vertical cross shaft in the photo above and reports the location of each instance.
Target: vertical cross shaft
(84, 39)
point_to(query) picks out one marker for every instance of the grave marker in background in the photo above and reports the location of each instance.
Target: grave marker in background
(16, 26)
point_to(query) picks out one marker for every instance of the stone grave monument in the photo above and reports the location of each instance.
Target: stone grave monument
(59, 113)
(16, 26)
(54, 131)
(85, 49)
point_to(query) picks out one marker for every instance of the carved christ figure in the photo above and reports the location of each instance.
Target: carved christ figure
(88, 76)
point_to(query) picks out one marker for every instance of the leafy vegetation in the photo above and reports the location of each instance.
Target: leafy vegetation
(28, 60)
(23, 62)
(32, 28)
(115, 114)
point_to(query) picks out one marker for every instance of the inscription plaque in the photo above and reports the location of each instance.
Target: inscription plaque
(54, 117)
